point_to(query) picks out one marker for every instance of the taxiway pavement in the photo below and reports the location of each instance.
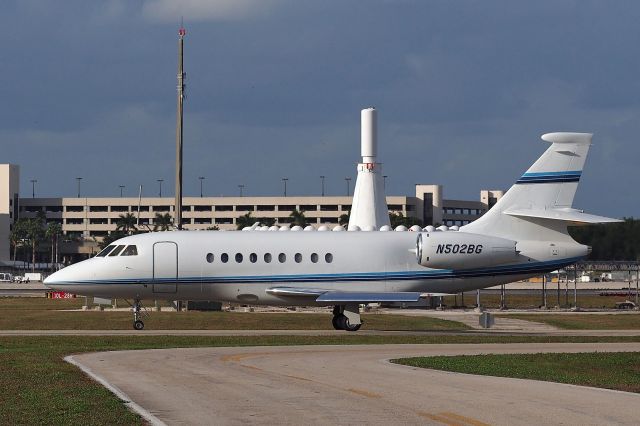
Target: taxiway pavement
(349, 385)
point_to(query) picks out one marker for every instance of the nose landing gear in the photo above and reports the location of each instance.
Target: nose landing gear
(137, 322)
(346, 317)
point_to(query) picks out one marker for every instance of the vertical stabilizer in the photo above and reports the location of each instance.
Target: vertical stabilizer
(550, 184)
(369, 208)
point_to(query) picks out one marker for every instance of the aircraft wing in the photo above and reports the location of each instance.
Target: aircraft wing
(339, 297)
(563, 214)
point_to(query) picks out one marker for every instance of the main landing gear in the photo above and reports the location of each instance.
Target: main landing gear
(346, 317)
(137, 322)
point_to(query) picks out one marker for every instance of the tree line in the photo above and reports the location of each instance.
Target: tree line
(610, 241)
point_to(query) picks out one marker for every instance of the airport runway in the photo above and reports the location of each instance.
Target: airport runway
(349, 385)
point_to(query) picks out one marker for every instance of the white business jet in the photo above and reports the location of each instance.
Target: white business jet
(523, 235)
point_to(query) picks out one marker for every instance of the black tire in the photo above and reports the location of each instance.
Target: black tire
(344, 323)
(350, 327)
(336, 322)
(138, 325)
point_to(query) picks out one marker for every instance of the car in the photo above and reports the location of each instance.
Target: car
(627, 304)
(5, 277)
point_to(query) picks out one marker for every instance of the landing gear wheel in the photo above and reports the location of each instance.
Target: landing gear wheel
(344, 324)
(336, 323)
(138, 325)
(350, 327)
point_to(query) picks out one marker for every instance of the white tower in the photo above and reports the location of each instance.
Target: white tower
(369, 208)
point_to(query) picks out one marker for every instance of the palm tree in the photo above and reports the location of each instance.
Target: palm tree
(53, 231)
(34, 233)
(245, 220)
(162, 222)
(298, 218)
(344, 219)
(18, 235)
(127, 223)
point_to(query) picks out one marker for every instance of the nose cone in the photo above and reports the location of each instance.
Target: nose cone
(67, 279)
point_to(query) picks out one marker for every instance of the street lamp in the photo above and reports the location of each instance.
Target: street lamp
(348, 179)
(33, 188)
(241, 188)
(285, 185)
(201, 179)
(121, 188)
(160, 183)
(79, 179)
(322, 178)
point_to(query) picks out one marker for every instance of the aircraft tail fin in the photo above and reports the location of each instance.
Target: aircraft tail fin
(540, 202)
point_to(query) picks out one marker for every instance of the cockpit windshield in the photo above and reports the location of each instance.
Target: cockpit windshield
(117, 251)
(113, 250)
(130, 251)
(105, 251)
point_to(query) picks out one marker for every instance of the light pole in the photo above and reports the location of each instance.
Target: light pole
(121, 188)
(285, 185)
(348, 179)
(33, 188)
(241, 188)
(160, 183)
(322, 178)
(79, 179)
(384, 182)
(201, 179)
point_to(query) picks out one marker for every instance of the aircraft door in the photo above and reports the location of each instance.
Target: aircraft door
(165, 267)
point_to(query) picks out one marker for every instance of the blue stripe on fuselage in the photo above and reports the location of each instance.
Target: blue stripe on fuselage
(524, 268)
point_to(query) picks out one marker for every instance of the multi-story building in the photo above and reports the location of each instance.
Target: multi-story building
(86, 220)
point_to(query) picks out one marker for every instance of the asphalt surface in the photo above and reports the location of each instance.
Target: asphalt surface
(348, 385)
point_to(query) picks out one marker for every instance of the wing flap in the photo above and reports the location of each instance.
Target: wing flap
(338, 297)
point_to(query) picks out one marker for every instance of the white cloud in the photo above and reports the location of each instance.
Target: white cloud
(205, 10)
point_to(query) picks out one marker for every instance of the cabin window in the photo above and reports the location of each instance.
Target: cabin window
(117, 251)
(210, 257)
(298, 258)
(253, 257)
(105, 251)
(314, 257)
(267, 257)
(130, 251)
(239, 257)
(328, 258)
(282, 257)
(224, 257)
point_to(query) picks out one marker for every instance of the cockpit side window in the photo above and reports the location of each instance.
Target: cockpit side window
(105, 251)
(116, 251)
(130, 251)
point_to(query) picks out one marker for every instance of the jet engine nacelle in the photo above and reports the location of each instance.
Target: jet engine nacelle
(460, 250)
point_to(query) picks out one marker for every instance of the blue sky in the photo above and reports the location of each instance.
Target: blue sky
(463, 90)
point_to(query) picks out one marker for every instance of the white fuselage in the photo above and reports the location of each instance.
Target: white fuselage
(188, 265)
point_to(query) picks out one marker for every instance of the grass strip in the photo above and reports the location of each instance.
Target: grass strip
(576, 321)
(38, 387)
(617, 370)
(37, 319)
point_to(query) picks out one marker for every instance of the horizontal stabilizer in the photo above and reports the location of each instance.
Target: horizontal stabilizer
(563, 214)
(332, 296)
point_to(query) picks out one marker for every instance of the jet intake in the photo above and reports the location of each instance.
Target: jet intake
(460, 250)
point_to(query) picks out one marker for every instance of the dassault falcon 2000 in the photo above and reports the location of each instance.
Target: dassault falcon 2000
(523, 235)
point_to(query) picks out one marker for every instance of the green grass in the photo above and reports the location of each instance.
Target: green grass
(620, 371)
(38, 387)
(96, 320)
(575, 321)
(47, 314)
